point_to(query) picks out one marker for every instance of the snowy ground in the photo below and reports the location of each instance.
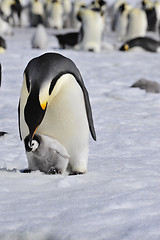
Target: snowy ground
(119, 197)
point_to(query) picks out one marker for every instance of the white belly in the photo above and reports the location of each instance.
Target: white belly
(66, 121)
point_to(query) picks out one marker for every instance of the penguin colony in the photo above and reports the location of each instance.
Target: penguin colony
(86, 24)
(54, 132)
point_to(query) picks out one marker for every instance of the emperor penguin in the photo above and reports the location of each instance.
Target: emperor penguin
(46, 154)
(122, 21)
(93, 28)
(145, 43)
(1, 132)
(2, 45)
(76, 6)
(147, 85)
(6, 8)
(5, 27)
(67, 8)
(40, 37)
(137, 24)
(55, 13)
(37, 13)
(151, 12)
(115, 13)
(54, 102)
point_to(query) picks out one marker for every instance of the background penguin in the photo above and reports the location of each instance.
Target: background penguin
(1, 132)
(46, 154)
(67, 8)
(151, 11)
(145, 43)
(6, 9)
(39, 38)
(54, 102)
(147, 85)
(5, 27)
(37, 13)
(70, 39)
(122, 21)
(55, 14)
(93, 27)
(137, 24)
(76, 6)
(115, 13)
(2, 45)
(16, 9)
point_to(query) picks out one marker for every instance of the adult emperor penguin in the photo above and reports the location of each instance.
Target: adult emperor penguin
(1, 132)
(145, 43)
(93, 28)
(54, 102)
(136, 15)
(122, 21)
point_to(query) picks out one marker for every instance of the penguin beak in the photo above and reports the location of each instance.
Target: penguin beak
(34, 113)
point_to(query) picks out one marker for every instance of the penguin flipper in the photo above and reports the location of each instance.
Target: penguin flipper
(19, 121)
(88, 109)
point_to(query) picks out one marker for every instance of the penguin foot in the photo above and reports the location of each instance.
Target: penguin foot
(2, 133)
(76, 173)
(54, 170)
(26, 170)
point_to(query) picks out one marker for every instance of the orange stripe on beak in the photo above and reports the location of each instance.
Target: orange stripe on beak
(35, 131)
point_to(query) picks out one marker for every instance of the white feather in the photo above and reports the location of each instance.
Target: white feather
(137, 25)
(48, 155)
(40, 38)
(93, 26)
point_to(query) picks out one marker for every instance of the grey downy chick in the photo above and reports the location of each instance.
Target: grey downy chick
(46, 154)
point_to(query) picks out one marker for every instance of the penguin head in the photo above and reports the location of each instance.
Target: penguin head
(32, 146)
(122, 7)
(125, 47)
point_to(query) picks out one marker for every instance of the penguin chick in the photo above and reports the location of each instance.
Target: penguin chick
(46, 154)
(2, 133)
(40, 38)
(147, 85)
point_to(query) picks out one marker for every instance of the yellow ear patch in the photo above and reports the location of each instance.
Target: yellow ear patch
(2, 50)
(43, 105)
(126, 47)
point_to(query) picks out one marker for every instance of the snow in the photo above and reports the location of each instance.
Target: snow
(119, 197)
